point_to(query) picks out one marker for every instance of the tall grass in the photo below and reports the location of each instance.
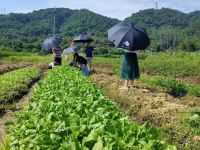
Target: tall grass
(168, 69)
(182, 64)
(173, 86)
(114, 63)
(14, 56)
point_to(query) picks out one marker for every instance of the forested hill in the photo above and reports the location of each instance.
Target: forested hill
(28, 30)
(157, 18)
(170, 28)
(40, 23)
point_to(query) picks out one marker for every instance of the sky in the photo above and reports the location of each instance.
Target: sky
(119, 9)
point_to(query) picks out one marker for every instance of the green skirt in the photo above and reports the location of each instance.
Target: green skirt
(130, 67)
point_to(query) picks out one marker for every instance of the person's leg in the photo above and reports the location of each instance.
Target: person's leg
(125, 87)
(85, 70)
(56, 61)
(50, 65)
(90, 66)
(131, 83)
(126, 83)
(60, 61)
(89, 61)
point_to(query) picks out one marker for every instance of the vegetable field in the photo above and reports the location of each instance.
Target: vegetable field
(68, 111)
(9, 66)
(18, 57)
(15, 83)
(179, 74)
(165, 94)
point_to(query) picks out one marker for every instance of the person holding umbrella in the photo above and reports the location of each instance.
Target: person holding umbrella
(71, 50)
(89, 54)
(57, 51)
(131, 38)
(130, 69)
(88, 49)
(82, 62)
(51, 44)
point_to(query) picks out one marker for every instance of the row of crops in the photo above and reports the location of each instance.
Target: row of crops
(9, 66)
(18, 57)
(15, 83)
(67, 111)
(173, 86)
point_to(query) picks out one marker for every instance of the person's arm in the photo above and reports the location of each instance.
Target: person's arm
(53, 49)
(60, 49)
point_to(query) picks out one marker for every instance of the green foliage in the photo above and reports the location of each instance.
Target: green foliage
(68, 111)
(160, 17)
(167, 70)
(87, 22)
(27, 31)
(194, 119)
(107, 50)
(179, 64)
(15, 83)
(190, 44)
(167, 28)
(14, 56)
(114, 63)
(174, 87)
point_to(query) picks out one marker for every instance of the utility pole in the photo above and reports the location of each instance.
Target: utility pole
(3, 11)
(54, 22)
(156, 5)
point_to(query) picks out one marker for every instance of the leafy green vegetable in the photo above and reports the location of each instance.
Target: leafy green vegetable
(68, 111)
(15, 83)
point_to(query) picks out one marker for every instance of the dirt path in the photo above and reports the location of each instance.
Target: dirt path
(147, 104)
(9, 116)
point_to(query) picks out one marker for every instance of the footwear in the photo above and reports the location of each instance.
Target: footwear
(124, 88)
(133, 86)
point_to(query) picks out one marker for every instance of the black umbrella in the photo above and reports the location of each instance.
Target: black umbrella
(129, 36)
(51, 42)
(82, 38)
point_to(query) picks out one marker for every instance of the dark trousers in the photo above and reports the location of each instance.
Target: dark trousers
(58, 61)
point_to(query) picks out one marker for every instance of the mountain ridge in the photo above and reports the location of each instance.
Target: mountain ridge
(27, 30)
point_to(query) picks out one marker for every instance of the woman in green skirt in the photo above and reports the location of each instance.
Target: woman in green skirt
(130, 69)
